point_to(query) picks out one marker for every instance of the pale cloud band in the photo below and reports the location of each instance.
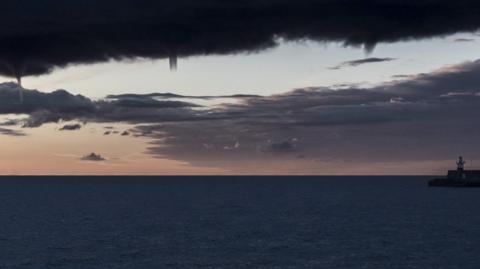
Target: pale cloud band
(417, 118)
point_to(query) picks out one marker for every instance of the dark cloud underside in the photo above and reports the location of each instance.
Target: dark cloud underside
(37, 36)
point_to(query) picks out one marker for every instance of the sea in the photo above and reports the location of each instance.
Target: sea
(237, 222)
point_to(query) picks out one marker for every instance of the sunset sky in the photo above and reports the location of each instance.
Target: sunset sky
(261, 87)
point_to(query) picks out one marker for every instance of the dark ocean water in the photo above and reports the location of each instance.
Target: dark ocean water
(225, 222)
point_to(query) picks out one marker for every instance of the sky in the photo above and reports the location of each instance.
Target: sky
(291, 65)
(309, 87)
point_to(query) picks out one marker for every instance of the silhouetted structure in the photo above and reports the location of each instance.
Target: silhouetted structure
(459, 177)
(460, 173)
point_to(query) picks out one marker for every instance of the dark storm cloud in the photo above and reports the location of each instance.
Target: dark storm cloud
(10, 132)
(60, 105)
(93, 157)
(464, 40)
(71, 127)
(169, 95)
(38, 36)
(287, 146)
(59, 101)
(400, 76)
(42, 107)
(361, 62)
(425, 117)
(145, 101)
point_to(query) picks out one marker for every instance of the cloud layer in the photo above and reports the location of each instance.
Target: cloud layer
(429, 116)
(426, 117)
(93, 157)
(362, 62)
(37, 37)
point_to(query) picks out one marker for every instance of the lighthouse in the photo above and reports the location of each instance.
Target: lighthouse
(460, 166)
(458, 178)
